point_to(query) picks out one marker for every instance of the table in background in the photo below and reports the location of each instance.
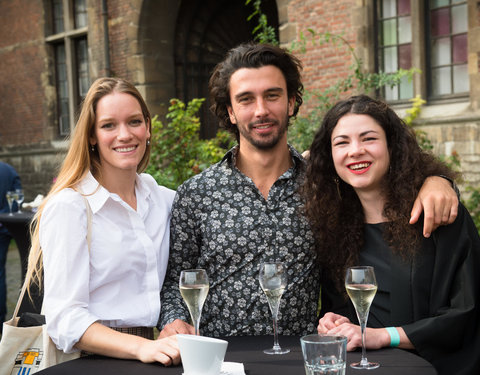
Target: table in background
(248, 350)
(18, 225)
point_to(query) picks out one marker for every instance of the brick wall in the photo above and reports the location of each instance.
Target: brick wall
(324, 64)
(25, 83)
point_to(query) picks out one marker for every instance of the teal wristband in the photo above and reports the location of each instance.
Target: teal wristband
(394, 336)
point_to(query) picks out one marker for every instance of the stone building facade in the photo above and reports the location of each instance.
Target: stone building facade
(51, 50)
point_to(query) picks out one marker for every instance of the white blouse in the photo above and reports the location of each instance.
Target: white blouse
(118, 281)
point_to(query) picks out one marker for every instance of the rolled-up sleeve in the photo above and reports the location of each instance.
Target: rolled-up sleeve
(66, 258)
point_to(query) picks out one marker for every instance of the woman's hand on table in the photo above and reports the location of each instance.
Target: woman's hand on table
(335, 324)
(376, 337)
(105, 341)
(163, 350)
(329, 321)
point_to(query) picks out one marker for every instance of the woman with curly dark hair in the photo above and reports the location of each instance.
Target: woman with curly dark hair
(365, 172)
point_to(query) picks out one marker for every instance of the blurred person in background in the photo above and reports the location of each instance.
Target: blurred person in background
(9, 181)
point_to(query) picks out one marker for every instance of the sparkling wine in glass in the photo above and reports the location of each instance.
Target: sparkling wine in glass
(361, 287)
(19, 197)
(273, 280)
(194, 289)
(10, 195)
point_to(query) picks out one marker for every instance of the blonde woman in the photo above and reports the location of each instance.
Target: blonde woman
(103, 296)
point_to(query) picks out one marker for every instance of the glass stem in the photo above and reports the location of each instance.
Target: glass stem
(363, 329)
(276, 346)
(197, 325)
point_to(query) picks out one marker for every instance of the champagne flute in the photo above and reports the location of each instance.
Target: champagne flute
(19, 198)
(361, 287)
(10, 195)
(273, 280)
(194, 289)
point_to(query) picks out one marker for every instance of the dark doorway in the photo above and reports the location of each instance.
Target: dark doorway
(205, 31)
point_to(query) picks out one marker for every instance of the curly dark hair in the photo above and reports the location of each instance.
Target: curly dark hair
(335, 211)
(252, 55)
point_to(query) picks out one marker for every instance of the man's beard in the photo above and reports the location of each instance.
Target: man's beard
(269, 141)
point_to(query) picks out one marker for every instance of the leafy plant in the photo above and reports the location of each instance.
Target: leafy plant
(472, 203)
(263, 32)
(471, 200)
(412, 114)
(177, 151)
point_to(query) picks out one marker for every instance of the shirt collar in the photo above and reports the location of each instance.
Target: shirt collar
(97, 195)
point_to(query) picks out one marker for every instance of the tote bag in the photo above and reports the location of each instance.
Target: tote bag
(26, 350)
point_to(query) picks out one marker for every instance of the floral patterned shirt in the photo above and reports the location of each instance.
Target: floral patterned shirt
(223, 224)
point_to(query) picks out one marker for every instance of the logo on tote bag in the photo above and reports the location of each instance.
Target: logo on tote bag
(27, 361)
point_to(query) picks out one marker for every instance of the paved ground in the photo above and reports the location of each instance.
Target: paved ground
(14, 275)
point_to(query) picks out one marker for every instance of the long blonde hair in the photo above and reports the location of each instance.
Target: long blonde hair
(81, 158)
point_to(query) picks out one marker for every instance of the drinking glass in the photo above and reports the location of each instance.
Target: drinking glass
(10, 195)
(361, 287)
(273, 280)
(194, 289)
(19, 197)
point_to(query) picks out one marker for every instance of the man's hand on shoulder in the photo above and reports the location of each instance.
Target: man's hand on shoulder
(177, 326)
(439, 202)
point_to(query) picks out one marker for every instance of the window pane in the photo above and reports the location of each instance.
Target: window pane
(62, 89)
(459, 19)
(403, 7)
(404, 30)
(459, 48)
(389, 32)
(58, 26)
(406, 88)
(82, 67)
(389, 8)
(441, 81)
(460, 79)
(438, 3)
(405, 56)
(441, 52)
(391, 93)
(390, 60)
(63, 118)
(80, 13)
(441, 22)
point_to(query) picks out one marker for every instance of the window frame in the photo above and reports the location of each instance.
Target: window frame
(421, 54)
(428, 51)
(68, 37)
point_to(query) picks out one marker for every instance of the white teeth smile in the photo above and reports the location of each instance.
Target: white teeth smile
(263, 127)
(125, 149)
(359, 166)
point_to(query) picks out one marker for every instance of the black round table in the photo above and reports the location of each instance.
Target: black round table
(248, 350)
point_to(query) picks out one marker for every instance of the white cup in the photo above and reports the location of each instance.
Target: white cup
(201, 355)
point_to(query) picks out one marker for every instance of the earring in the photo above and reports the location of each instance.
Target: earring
(92, 147)
(148, 142)
(337, 182)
